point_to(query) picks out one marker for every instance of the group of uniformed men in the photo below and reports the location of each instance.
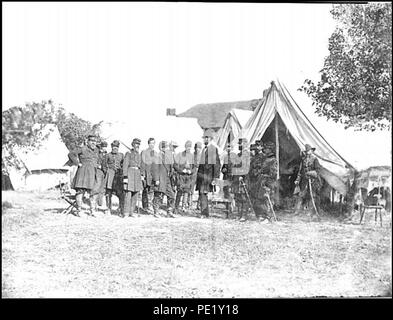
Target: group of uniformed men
(252, 176)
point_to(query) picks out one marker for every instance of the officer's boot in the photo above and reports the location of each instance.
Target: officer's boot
(185, 201)
(298, 206)
(170, 207)
(93, 204)
(79, 200)
(190, 200)
(109, 201)
(177, 202)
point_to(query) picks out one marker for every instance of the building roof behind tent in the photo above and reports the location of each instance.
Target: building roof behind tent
(212, 115)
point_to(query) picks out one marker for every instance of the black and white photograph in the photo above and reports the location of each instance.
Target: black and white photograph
(196, 150)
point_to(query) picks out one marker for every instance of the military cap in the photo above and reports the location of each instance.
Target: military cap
(254, 146)
(115, 143)
(103, 144)
(198, 145)
(307, 147)
(136, 141)
(188, 144)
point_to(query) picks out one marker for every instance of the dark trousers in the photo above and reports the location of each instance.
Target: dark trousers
(130, 200)
(119, 194)
(204, 203)
(147, 197)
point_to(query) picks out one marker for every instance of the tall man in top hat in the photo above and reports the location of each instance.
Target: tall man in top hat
(309, 181)
(132, 178)
(162, 170)
(88, 161)
(208, 172)
(113, 177)
(148, 155)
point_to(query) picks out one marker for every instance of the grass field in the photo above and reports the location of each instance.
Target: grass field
(46, 254)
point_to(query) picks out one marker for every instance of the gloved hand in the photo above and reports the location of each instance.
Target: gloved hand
(157, 183)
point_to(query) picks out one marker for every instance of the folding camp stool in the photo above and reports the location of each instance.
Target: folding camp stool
(71, 200)
(378, 212)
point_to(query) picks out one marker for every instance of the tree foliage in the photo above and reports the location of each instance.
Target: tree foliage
(356, 80)
(22, 127)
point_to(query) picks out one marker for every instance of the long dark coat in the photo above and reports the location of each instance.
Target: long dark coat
(197, 157)
(132, 171)
(209, 169)
(113, 168)
(85, 177)
(161, 171)
(99, 186)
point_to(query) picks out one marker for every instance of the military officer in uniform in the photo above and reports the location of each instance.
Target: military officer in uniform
(309, 181)
(88, 161)
(240, 182)
(263, 175)
(148, 157)
(132, 178)
(208, 172)
(99, 189)
(113, 177)
(162, 170)
(184, 166)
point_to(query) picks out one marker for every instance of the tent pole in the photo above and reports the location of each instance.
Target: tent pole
(278, 160)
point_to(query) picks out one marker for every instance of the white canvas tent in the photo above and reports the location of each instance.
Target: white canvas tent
(233, 124)
(42, 167)
(278, 118)
(166, 128)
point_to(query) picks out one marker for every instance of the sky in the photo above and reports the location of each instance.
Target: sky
(131, 61)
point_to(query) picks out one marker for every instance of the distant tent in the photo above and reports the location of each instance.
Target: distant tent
(233, 124)
(42, 167)
(6, 183)
(278, 111)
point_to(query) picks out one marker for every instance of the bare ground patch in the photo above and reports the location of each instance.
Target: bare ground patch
(45, 254)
